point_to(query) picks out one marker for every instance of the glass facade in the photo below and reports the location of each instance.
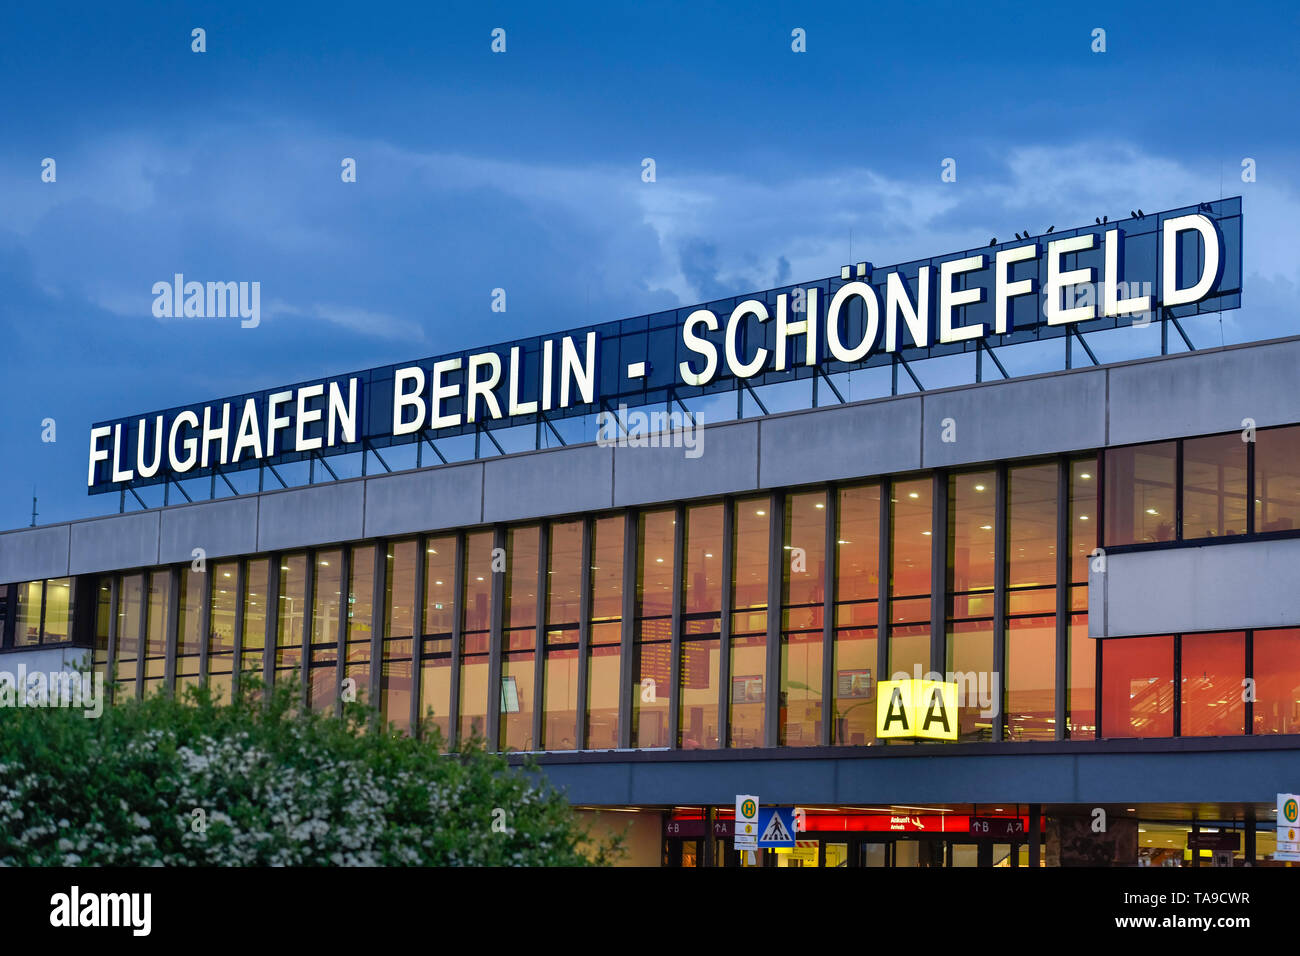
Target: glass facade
(654, 628)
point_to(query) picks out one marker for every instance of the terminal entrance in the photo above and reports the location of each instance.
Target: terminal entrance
(902, 837)
(813, 851)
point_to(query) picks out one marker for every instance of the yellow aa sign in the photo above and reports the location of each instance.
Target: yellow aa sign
(917, 708)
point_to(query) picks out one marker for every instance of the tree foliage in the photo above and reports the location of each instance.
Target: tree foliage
(259, 782)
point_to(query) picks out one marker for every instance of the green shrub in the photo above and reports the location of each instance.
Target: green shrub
(253, 783)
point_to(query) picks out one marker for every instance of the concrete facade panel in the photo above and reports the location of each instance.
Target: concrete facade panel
(728, 463)
(428, 500)
(220, 528)
(561, 481)
(1200, 394)
(34, 554)
(1016, 419)
(1216, 587)
(319, 514)
(830, 444)
(109, 544)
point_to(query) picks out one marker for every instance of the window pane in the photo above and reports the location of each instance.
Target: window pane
(803, 591)
(750, 558)
(190, 637)
(855, 686)
(254, 638)
(971, 516)
(801, 696)
(560, 726)
(1277, 479)
(293, 598)
(702, 577)
(27, 630)
(517, 697)
(395, 683)
(103, 616)
(970, 661)
(699, 694)
(653, 648)
(1137, 687)
(607, 569)
(804, 560)
(478, 582)
(475, 625)
(360, 620)
(522, 546)
(221, 630)
(435, 692)
(1083, 516)
(655, 564)
(439, 585)
(1214, 486)
(564, 574)
(1082, 714)
(361, 598)
(155, 658)
(58, 611)
(130, 599)
(1213, 673)
(1277, 681)
(603, 656)
(602, 683)
(857, 562)
(910, 541)
(1031, 678)
(1140, 493)
(650, 667)
(325, 607)
(1031, 516)
(749, 623)
(399, 590)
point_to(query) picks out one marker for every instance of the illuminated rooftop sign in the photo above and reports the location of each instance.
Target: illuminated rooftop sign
(1162, 265)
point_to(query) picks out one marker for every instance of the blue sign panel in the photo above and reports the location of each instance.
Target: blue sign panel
(1153, 267)
(776, 827)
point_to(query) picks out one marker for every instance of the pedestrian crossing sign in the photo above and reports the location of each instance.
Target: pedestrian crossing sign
(776, 827)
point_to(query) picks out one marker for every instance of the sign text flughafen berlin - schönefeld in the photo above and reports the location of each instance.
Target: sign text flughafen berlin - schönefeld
(1176, 263)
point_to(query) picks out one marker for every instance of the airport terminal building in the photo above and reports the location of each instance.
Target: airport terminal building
(1098, 559)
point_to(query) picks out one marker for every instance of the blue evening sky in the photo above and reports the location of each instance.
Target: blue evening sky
(523, 170)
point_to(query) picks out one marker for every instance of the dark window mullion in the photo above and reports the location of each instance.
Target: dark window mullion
(627, 650)
(341, 639)
(457, 636)
(417, 633)
(675, 644)
(724, 623)
(539, 655)
(1064, 592)
(496, 637)
(237, 642)
(584, 632)
(829, 703)
(1001, 532)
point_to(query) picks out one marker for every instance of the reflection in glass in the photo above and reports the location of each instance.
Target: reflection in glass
(1137, 687)
(606, 632)
(1213, 672)
(1277, 479)
(1140, 496)
(1214, 486)
(748, 623)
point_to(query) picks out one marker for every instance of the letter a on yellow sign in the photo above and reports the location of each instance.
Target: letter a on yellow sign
(917, 708)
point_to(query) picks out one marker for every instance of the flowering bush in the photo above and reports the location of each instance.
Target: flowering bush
(253, 783)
